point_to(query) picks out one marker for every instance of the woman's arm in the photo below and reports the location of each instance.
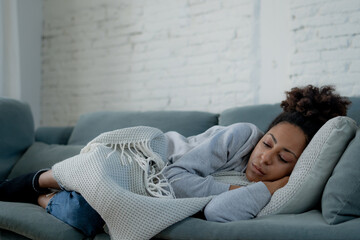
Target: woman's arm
(190, 175)
(275, 185)
(238, 204)
(242, 203)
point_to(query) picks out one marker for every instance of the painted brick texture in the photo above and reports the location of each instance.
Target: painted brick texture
(145, 55)
(325, 38)
(184, 55)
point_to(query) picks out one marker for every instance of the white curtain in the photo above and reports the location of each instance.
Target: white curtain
(20, 52)
(9, 50)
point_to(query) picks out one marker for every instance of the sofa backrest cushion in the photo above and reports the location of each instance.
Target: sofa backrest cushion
(41, 155)
(263, 114)
(354, 109)
(341, 197)
(186, 123)
(313, 169)
(260, 115)
(17, 133)
(53, 135)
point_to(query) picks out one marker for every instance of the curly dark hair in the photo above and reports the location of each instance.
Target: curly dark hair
(310, 107)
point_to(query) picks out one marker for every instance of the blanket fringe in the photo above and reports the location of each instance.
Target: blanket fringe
(151, 163)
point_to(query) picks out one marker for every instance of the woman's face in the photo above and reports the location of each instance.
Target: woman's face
(276, 153)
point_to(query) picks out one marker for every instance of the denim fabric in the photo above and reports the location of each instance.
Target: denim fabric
(72, 208)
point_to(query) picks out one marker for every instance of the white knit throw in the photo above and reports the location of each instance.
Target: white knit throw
(119, 175)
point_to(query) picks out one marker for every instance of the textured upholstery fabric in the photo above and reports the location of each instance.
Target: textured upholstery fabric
(313, 169)
(186, 123)
(41, 155)
(260, 115)
(341, 197)
(353, 111)
(33, 222)
(8, 235)
(309, 225)
(17, 133)
(53, 135)
(104, 236)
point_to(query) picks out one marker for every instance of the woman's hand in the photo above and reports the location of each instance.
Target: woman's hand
(232, 187)
(275, 185)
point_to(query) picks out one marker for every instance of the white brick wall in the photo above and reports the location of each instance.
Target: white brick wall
(325, 39)
(185, 55)
(145, 55)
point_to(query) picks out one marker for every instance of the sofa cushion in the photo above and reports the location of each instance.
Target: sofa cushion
(8, 235)
(53, 135)
(260, 115)
(353, 111)
(313, 169)
(186, 123)
(309, 225)
(17, 133)
(34, 222)
(41, 155)
(341, 197)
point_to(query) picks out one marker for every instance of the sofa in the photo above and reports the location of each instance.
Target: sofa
(24, 149)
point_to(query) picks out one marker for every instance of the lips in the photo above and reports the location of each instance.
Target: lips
(258, 170)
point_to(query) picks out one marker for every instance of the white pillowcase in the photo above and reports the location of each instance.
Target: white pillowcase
(313, 169)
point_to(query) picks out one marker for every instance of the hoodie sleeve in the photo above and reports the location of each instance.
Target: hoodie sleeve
(190, 175)
(239, 204)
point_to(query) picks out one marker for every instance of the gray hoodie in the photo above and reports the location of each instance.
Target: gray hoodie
(193, 160)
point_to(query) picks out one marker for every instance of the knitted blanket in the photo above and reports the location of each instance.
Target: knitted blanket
(119, 173)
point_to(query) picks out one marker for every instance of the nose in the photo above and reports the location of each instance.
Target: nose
(267, 157)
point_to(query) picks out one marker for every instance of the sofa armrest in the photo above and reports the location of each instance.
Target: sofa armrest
(53, 135)
(17, 132)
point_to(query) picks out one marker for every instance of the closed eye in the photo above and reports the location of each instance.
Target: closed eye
(282, 159)
(266, 145)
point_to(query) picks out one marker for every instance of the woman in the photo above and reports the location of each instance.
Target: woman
(267, 160)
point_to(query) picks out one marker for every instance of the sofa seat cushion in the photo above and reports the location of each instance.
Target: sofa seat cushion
(308, 225)
(104, 236)
(313, 169)
(341, 197)
(34, 222)
(186, 123)
(8, 235)
(41, 155)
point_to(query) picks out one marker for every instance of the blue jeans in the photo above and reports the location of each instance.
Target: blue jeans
(72, 208)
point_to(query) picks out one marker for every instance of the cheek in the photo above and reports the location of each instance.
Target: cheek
(253, 157)
(283, 170)
(256, 152)
(291, 169)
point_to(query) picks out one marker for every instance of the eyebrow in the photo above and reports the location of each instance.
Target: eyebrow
(287, 150)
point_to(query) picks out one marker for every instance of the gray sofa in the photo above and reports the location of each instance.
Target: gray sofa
(23, 150)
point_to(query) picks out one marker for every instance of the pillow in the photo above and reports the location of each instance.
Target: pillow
(313, 169)
(41, 155)
(341, 197)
